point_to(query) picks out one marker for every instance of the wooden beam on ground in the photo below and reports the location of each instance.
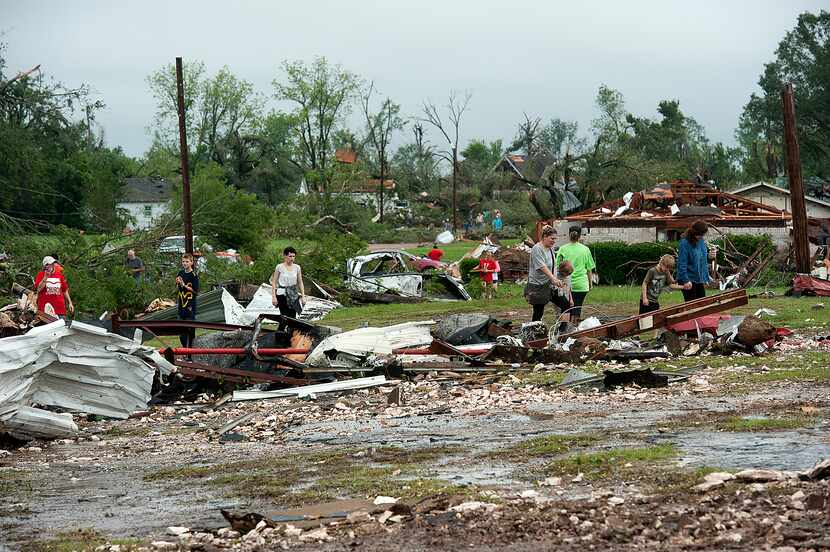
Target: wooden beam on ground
(201, 370)
(669, 315)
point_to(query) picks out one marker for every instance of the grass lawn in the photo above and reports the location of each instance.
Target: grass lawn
(608, 300)
(455, 250)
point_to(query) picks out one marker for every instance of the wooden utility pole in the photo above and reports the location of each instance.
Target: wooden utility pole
(382, 177)
(188, 216)
(799, 209)
(454, 177)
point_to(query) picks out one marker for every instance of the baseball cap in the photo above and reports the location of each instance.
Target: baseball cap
(47, 260)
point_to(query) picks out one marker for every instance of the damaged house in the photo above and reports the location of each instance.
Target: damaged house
(666, 211)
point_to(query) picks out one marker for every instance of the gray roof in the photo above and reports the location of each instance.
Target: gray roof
(146, 190)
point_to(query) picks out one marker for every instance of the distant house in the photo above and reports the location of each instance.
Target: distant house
(364, 193)
(145, 200)
(345, 156)
(775, 196)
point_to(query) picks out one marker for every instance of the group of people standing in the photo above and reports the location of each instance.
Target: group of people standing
(482, 220)
(564, 277)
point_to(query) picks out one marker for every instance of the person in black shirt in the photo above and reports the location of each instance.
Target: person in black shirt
(188, 288)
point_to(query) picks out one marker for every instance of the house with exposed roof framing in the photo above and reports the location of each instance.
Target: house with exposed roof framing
(664, 212)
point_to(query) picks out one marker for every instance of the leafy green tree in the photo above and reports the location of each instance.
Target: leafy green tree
(802, 58)
(214, 204)
(416, 165)
(53, 166)
(221, 114)
(322, 95)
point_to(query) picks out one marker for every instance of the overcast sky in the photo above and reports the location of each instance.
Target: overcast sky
(546, 58)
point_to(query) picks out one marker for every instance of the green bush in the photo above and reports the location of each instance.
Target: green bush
(465, 267)
(475, 288)
(622, 263)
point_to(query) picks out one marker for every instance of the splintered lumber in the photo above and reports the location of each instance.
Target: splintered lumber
(666, 316)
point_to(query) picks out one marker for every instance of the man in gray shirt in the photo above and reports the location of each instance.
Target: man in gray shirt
(134, 266)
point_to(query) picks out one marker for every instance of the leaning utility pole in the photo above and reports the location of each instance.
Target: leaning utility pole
(799, 209)
(188, 216)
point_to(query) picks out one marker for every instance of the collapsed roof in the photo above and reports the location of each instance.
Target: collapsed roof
(672, 205)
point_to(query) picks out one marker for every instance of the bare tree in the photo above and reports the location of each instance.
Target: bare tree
(379, 128)
(456, 107)
(527, 137)
(322, 93)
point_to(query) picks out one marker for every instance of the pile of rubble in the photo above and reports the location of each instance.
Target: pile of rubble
(77, 365)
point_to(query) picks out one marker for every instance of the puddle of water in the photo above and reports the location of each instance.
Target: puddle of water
(780, 450)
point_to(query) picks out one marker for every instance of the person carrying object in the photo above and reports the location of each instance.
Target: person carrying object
(52, 290)
(486, 269)
(187, 284)
(659, 278)
(541, 280)
(287, 292)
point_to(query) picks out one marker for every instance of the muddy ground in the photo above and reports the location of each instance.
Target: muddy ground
(505, 461)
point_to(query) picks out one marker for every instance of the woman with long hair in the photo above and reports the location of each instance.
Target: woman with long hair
(693, 261)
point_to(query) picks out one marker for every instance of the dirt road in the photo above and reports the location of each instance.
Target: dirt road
(537, 467)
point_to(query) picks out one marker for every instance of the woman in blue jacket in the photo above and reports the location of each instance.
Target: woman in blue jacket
(693, 261)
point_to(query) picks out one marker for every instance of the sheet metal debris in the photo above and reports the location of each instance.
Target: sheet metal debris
(80, 369)
(309, 390)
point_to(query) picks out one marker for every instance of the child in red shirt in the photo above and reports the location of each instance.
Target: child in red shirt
(52, 290)
(486, 268)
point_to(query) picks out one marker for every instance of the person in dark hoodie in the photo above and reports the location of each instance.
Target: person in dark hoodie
(693, 261)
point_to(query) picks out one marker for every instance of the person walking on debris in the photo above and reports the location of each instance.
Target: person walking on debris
(693, 261)
(435, 253)
(659, 278)
(542, 285)
(583, 269)
(287, 292)
(134, 266)
(187, 283)
(52, 290)
(486, 268)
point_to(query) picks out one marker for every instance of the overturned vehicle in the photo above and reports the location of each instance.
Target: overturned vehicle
(394, 277)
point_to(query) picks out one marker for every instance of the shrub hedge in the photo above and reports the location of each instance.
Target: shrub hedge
(622, 263)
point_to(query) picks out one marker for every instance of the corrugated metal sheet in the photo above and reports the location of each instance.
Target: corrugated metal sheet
(83, 369)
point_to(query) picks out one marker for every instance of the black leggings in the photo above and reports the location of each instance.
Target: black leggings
(579, 299)
(697, 292)
(285, 310)
(558, 300)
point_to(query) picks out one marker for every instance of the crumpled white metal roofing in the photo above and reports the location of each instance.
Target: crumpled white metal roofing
(80, 369)
(362, 342)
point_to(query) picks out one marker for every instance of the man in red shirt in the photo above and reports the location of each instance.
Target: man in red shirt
(435, 254)
(52, 290)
